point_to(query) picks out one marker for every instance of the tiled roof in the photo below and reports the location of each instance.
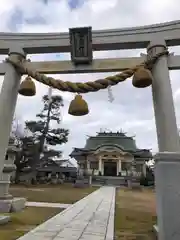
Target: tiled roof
(117, 139)
(111, 138)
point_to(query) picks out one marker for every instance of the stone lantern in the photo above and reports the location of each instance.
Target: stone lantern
(7, 202)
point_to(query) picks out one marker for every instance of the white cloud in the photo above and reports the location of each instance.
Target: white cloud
(132, 109)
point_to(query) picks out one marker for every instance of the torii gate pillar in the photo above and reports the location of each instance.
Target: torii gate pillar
(167, 161)
(8, 98)
(167, 133)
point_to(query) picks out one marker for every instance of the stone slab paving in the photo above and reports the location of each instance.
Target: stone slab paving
(4, 219)
(90, 218)
(46, 204)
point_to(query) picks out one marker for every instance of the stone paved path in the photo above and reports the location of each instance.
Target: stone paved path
(90, 218)
(46, 204)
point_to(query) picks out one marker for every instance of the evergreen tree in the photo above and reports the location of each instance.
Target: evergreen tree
(25, 145)
(44, 131)
(24, 157)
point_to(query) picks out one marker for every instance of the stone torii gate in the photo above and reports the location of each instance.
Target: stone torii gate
(156, 38)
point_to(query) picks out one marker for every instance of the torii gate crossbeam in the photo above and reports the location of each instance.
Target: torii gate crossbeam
(112, 39)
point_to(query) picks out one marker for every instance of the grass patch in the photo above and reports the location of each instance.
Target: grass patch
(23, 222)
(64, 193)
(135, 214)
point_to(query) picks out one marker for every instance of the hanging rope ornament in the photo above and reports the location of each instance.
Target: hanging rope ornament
(110, 94)
(27, 87)
(142, 78)
(78, 106)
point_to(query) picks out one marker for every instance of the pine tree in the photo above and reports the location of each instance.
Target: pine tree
(24, 157)
(25, 145)
(44, 131)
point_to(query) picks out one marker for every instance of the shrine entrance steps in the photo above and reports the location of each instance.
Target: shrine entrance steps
(108, 181)
(90, 218)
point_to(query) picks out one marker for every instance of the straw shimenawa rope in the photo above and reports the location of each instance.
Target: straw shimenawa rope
(79, 87)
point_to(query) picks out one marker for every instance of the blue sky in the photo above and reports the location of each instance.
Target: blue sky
(18, 17)
(132, 109)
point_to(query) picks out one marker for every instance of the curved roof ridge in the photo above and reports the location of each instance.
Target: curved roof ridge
(110, 144)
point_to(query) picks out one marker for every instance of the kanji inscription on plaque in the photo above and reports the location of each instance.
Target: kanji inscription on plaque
(81, 45)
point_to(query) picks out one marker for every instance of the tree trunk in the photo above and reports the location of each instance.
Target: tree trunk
(42, 139)
(17, 177)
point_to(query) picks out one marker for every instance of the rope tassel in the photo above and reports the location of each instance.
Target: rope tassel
(27, 87)
(78, 106)
(142, 78)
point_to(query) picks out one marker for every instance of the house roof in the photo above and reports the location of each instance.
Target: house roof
(50, 165)
(119, 139)
(141, 153)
